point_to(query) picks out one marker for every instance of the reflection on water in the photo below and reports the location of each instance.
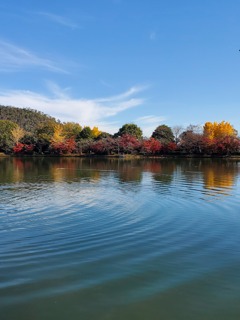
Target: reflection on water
(119, 239)
(216, 176)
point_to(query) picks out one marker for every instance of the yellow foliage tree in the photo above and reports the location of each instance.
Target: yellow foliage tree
(96, 132)
(217, 130)
(17, 134)
(58, 135)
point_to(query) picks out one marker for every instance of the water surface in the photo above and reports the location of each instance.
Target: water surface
(119, 239)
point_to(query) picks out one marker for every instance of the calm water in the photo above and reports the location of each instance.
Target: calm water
(114, 239)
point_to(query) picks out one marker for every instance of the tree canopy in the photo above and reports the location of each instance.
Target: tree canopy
(164, 134)
(219, 130)
(27, 119)
(130, 129)
(6, 136)
(26, 131)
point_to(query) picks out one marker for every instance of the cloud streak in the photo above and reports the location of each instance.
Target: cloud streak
(149, 123)
(89, 112)
(59, 19)
(15, 58)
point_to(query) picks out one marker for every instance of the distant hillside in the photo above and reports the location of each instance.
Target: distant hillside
(28, 119)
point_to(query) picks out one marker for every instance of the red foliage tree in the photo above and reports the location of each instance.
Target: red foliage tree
(23, 148)
(128, 144)
(171, 146)
(104, 146)
(151, 146)
(227, 145)
(66, 147)
(18, 148)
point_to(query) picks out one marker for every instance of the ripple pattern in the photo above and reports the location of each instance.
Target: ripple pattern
(123, 243)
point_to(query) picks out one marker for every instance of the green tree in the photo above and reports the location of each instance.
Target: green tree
(45, 131)
(86, 133)
(104, 135)
(71, 129)
(6, 136)
(43, 135)
(164, 134)
(27, 119)
(130, 129)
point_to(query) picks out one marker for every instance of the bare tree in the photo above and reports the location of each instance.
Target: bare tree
(195, 128)
(177, 130)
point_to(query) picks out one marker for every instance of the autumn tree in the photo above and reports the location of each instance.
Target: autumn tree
(130, 129)
(103, 135)
(95, 132)
(106, 145)
(43, 135)
(66, 146)
(86, 133)
(71, 129)
(164, 134)
(191, 142)
(17, 134)
(215, 130)
(58, 135)
(129, 144)
(151, 146)
(6, 137)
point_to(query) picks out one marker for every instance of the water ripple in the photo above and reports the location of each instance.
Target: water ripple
(60, 238)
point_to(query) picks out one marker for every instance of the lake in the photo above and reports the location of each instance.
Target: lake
(119, 239)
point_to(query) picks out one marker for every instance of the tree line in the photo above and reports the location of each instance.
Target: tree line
(27, 131)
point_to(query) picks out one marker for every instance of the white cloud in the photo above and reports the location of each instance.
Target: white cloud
(149, 123)
(14, 58)
(59, 19)
(91, 112)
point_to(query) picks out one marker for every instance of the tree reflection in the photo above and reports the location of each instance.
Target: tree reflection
(219, 177)
(213, 176)
(165, 172)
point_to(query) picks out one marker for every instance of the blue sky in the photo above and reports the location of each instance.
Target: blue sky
(110, 62)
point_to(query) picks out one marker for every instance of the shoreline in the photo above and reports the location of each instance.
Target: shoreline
(125, 156)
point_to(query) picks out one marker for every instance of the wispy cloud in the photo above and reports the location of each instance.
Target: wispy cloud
(85, 111)
(59, 19)
(149, 123)
(15, 58)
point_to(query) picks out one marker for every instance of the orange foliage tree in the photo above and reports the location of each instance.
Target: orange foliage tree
(215, 130)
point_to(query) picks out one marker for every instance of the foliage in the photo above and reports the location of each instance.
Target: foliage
(27, 119)
(95, 132)
(17, 134)
(130, 129)
(44, 132)
(71, 129)
(104, 146)
(46, 135)
(64, 147)
(86, 133)
(220, 130)
(103, 135)
(23, 148)
(128, 144)
(226, 145)
(151, 146)
(6, 137)
(191, 142)
(58, 136)
(164, 134)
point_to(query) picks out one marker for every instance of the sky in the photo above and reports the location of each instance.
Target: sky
(105, 63)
